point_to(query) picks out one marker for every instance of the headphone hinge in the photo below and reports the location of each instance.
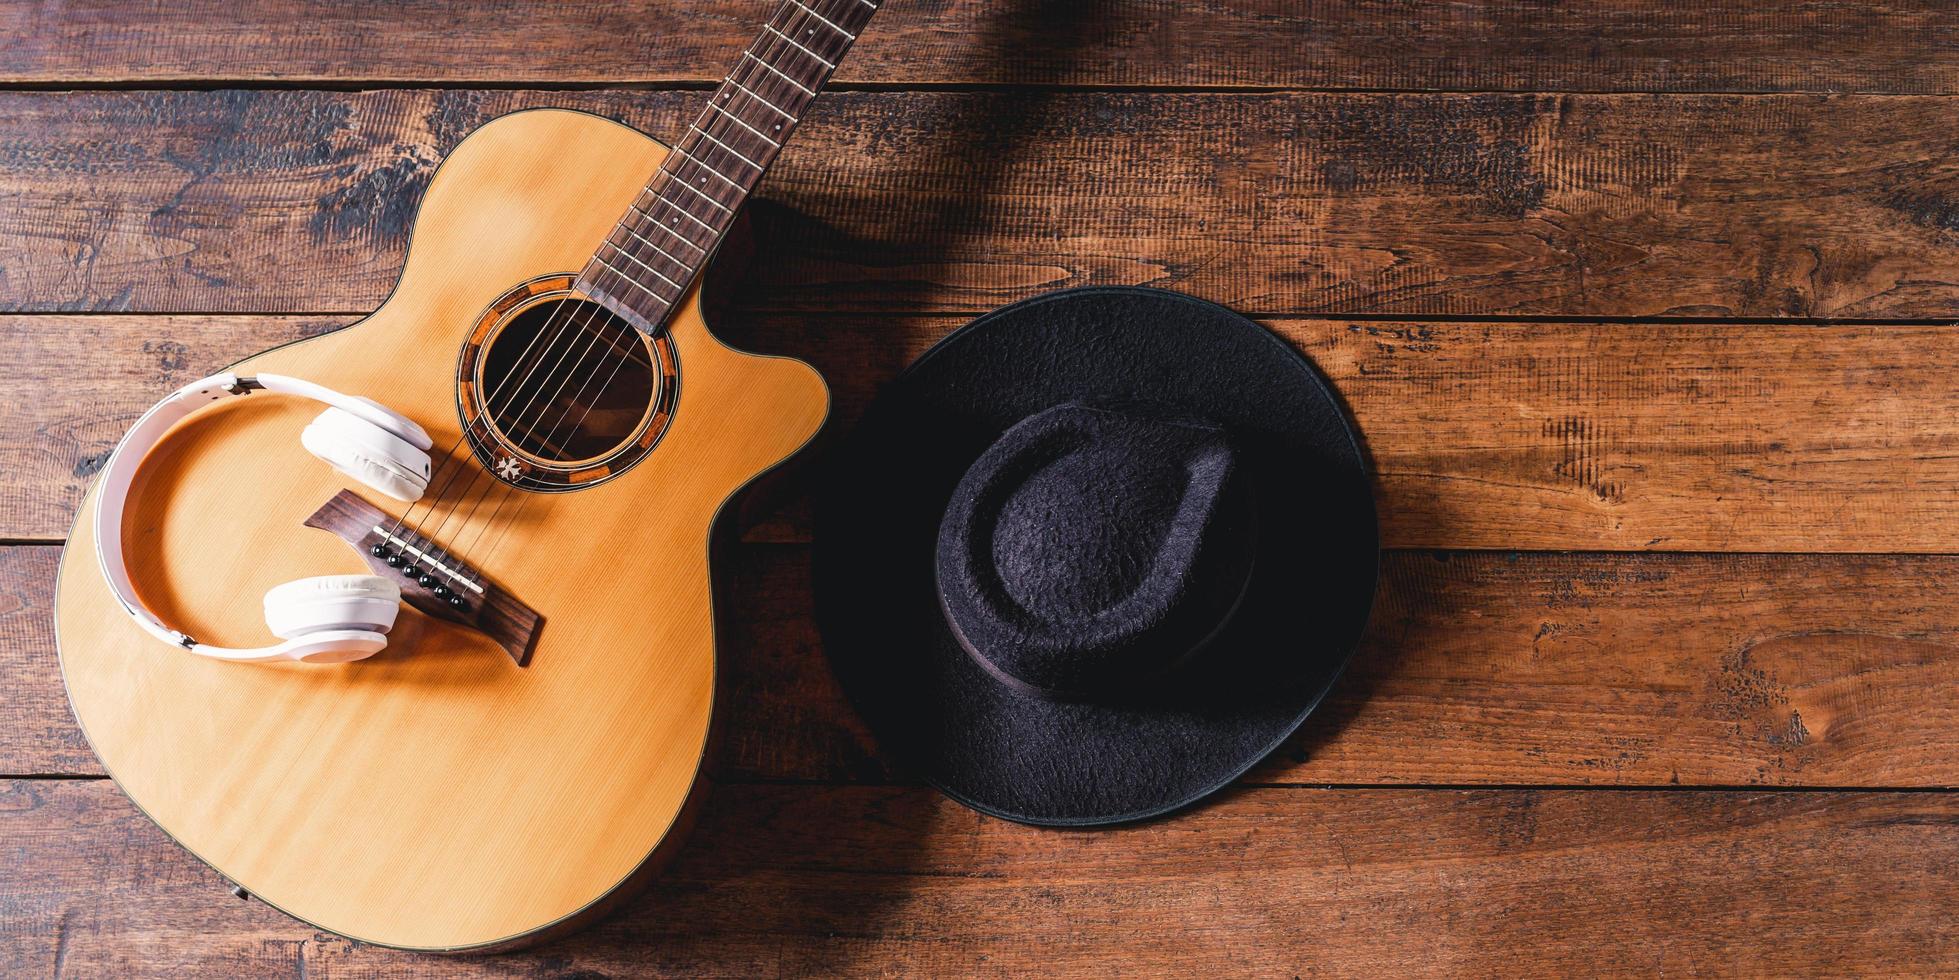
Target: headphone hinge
(243, 386)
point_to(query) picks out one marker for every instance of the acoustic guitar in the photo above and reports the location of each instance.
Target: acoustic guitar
(530, 742)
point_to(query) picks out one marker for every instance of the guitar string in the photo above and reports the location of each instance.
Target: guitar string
(655, 187)
(446, 558)
(610, 378)
(543, 407)
(484, 528)
(543, 404)
(693, 153)
(449, 456)
(453, 463)
(523, 379)
(596, 336)
(556, 360)
(805, 20)
(799, 22)
(496, 484)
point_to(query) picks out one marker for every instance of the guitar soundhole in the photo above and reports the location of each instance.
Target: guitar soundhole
(557, 392)
(566, 380)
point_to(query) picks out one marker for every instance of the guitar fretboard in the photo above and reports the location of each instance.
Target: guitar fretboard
(663, 241)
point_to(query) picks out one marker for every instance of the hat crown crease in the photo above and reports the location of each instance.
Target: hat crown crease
(1122, 603)
(1078, 538)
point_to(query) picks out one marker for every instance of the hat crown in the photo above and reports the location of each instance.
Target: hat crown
(1092, 549)
(1067, 565)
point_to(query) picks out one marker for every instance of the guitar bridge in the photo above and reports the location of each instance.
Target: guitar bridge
(455, 592)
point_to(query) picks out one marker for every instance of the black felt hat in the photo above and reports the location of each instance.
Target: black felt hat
(1095, 554)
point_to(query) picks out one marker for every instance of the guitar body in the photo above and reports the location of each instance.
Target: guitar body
(437, 796)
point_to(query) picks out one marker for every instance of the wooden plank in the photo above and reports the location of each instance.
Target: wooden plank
(1433, 205)
(1622, 670)
(1550, 436)
(801, 880)
(38, 733)
(1584, 436)
(1616, 670)
(1628, 46)
(77, 383)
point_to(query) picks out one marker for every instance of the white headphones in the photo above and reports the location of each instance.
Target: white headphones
(322, 620)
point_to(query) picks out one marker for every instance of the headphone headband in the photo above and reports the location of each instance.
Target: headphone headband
(119, 475)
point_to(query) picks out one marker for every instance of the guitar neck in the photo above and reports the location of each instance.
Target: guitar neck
(664, 240)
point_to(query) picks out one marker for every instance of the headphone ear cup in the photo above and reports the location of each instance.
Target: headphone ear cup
(367, 603)
(368, 453)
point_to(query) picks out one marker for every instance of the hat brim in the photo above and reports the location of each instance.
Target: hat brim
(1056, 763)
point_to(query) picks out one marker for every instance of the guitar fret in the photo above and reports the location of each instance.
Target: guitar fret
(674, 229)
(847, 35)
(793, 42)
(745, 91)
(687, 269)
(644, 288)
(698, 162)
(702, 195)
(642, 264)
(690, 217)
(626, 241)
(648, 242)
(744, 125)
(750, 55)
(597, 283)
(674, 175)
(758, 167)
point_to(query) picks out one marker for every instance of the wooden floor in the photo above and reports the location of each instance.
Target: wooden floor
(1648, 313)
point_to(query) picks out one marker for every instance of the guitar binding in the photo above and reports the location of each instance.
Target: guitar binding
(514, 394)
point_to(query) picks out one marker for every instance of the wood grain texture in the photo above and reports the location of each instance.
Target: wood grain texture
(76, 384)
(1532, 45)
(1432, 205)
(799, 881)
(1542, 435)
(38, 734)
(1586, 436)
(1611, 670)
